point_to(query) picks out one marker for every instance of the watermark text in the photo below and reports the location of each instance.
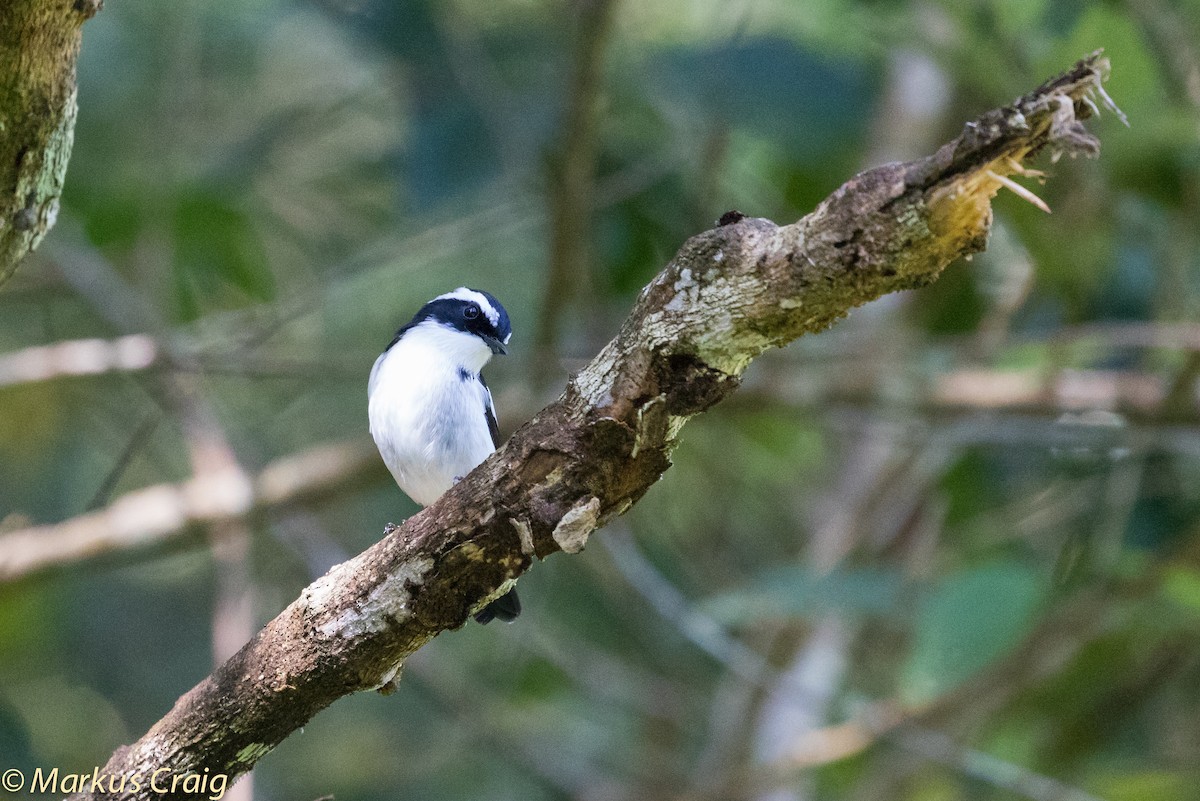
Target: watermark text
(54, 781)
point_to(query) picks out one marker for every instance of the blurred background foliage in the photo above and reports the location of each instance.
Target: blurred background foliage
(947, 550)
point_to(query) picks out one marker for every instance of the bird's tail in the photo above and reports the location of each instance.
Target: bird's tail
(507, 607)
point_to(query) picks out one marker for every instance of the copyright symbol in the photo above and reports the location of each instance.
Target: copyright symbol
(12, 780)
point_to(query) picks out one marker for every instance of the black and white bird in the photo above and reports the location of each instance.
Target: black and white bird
(431, 413)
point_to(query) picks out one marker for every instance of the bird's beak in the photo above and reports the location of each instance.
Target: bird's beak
(496, 345)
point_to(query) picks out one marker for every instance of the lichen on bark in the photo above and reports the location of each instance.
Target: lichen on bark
(39, 46)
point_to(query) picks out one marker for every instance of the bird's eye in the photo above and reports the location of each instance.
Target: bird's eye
(471, 311)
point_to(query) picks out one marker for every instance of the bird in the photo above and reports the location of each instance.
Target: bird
(430, 411)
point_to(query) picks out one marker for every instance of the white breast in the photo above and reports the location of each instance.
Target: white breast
(427, 421)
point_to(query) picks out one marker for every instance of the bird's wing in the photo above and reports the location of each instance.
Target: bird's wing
(489, 412)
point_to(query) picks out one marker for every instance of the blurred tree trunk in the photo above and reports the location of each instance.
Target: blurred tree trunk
(39, 45)
(573, 178)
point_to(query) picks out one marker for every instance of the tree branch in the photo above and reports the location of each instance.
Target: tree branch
(168, 514)
(39, 44)
(78, 357)
(728, 295)
(1131, 395)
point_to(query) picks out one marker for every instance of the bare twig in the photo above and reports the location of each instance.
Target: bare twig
(1019, 191)
(700, 629)
(167, 514)
(1021, 781)
(78, 357)
(136, 442)
(1133, 396)
(915, 727)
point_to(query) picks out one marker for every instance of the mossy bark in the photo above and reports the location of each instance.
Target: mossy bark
(39, 46)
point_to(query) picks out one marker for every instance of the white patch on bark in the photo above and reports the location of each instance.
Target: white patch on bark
(388, 601)
(674, 426)
(686, 290)
(525, 535)
(316, 596)
(594, 382)
(573, 529)
(640, 435)
(685, 280)
(388, 676)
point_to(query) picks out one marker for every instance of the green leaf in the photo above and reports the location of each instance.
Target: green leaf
(1181, 586)
(217, 249)
(967, 621)
(1148, 786)
(118, 222)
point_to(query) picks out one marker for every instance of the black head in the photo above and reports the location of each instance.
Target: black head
(469, 310)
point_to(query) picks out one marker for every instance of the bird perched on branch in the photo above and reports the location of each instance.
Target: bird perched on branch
(431, 413)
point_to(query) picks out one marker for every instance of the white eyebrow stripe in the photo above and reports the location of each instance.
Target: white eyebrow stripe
(463, 293)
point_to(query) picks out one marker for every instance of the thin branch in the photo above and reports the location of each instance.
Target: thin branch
(168, 514)
(887, 722)
(136, 442)
(1129, 395)
(1021, 781)
(700, 629)
(78, 357)
(1135, 394)
(728, 295)
(1057, 639)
